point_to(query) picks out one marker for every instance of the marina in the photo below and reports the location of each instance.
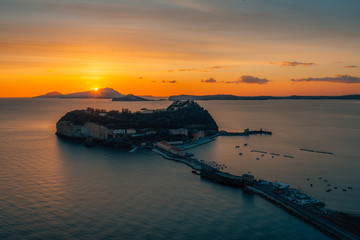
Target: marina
(291, 200)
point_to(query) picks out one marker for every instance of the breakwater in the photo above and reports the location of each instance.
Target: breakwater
(303, 214)
(246, 132)
(311, 212)
(222, 178)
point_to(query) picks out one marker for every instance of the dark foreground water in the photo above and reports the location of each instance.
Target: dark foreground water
(55, 189)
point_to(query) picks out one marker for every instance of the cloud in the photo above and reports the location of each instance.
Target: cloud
(168, 81)
(242, 79)
(206, 69)
(351, 66)
(253, 80)
(336, 78)
(293, 64)
(215, 67)
(210, 80)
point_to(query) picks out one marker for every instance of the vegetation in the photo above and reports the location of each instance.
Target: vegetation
(191, 117)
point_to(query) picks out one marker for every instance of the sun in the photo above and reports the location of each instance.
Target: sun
(95, 89)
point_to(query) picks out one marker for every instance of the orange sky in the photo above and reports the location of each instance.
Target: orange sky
(171, 47)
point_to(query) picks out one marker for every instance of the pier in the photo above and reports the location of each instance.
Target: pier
(246, 132)
(298, 204)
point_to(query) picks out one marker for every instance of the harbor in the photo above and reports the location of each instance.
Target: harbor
(289, 199)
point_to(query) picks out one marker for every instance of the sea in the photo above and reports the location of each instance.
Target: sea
(51, 188)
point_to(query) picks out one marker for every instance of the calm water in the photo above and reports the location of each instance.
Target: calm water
(54, 189)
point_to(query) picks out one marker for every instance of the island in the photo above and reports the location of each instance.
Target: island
(181, 122)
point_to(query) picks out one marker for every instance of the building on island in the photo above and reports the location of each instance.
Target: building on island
(177, 104)
(124, 131)
(171, 149)
(150, 111)
(197, 135)
(180, 131)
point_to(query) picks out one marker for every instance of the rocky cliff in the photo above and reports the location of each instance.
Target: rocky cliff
(88, 130)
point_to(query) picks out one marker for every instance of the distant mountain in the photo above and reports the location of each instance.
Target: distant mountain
(215, 97)
(130, 98)
(101, 93)
(154, 98)
(50, 95)
(233, 97)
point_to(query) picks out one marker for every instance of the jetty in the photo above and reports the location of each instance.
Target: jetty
(246, 132)
(335, 224)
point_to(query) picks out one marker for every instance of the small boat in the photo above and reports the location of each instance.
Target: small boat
(257, 158)
(245, 144)
(195, 172)
(328, 190)
(320, 177)
(240, 153)
(275, 154)
(350, 188)
(344, 190)
(237, 146)
(308, 150)
(335, 187)
(307, 179)
(311, 185)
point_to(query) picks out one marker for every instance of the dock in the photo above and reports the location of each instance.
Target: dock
(246, 132)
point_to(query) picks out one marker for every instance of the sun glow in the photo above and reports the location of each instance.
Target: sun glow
(95, 89)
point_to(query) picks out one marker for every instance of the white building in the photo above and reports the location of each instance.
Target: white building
(169, 148)
(130, 131)
(120, 131)
(180, 131)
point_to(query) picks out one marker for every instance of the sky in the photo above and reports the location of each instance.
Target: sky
(168, 47)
